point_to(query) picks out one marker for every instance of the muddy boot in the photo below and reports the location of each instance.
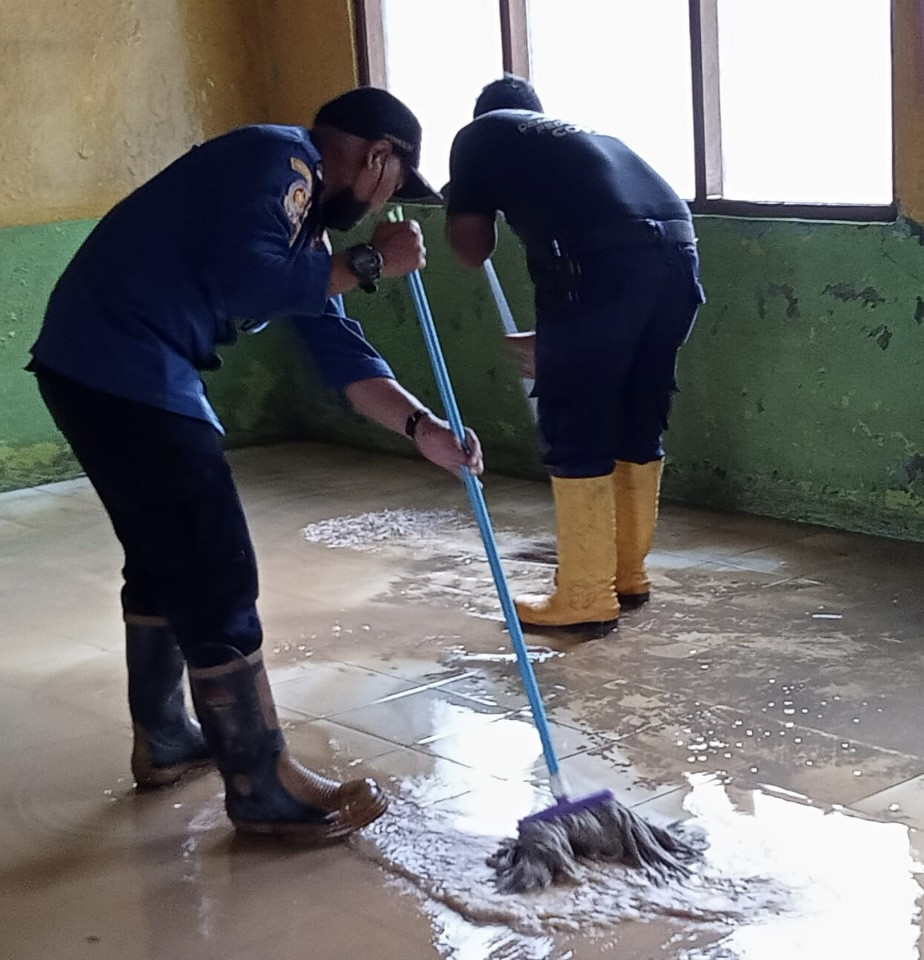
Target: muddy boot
(167, 743)
(266, 790)
(585, 517)
(637, 487)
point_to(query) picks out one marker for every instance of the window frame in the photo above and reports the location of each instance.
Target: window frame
(707, 121)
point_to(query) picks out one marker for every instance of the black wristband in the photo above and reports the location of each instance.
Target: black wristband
(366, 264)
(410, 428)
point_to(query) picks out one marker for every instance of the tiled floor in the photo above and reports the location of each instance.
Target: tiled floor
(777, 664)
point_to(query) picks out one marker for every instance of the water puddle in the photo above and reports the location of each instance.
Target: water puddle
(852, 881)
(781, 877)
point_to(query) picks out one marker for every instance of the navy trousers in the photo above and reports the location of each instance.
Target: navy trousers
(606, 355)
(167, 487)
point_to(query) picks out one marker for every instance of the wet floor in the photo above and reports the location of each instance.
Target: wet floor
(769, 696)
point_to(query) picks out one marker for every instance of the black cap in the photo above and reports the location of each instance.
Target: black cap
(375, 114)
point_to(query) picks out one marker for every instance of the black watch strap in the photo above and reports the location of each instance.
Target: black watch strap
(410, 428)
(366, 265)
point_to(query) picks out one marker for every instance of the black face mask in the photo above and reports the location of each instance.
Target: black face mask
(343, 210)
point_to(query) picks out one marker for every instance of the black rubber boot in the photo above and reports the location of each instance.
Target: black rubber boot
(632, 601)
(266, 790)
(168, 744)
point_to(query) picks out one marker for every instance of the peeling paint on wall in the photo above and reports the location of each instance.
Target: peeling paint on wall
(882, 335)
(910, 476)
(838, 396)
(805, 410)
(847, 292)
(781, 290)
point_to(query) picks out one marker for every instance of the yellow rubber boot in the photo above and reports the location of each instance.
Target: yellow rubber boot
(584, 590)
(637, 488)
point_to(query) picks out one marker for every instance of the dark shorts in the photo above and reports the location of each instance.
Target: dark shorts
(167, 487)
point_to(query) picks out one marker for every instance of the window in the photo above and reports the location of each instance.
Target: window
(437, 65)
(805, 94)
(759, 107)
(632, 66)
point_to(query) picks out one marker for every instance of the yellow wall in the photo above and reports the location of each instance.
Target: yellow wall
(95, 97)
(908, 42)
(311, 52)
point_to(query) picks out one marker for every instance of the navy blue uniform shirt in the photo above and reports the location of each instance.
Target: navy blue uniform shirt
(226, 238)
(546, 175)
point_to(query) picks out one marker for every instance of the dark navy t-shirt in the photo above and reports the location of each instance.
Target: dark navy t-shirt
(228, 237)
(546, 176)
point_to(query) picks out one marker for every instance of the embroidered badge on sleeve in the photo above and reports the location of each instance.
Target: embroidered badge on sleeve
(297, 201)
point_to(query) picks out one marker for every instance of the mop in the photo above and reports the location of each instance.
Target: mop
(551, 842)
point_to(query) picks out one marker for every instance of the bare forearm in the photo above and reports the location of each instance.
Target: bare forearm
(472, 238)
(386, 402)
(383, 400)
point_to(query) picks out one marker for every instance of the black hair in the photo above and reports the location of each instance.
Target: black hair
(511, 93)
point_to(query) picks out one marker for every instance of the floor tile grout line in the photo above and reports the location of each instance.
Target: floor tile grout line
(824, 733)
(893, 786)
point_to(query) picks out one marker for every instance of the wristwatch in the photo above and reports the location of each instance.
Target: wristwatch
(365, 263)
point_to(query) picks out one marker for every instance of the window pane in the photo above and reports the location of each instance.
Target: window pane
(438, 64)
(623, 68)
(806, 100)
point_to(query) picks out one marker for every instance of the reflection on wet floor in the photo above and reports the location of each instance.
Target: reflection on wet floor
(850, 882)
(779, 876)
(769, 695)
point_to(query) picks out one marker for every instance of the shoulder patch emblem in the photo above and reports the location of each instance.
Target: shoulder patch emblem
(299, 166)
(297, 201)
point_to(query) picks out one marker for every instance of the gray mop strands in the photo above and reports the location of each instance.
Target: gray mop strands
(551, 844)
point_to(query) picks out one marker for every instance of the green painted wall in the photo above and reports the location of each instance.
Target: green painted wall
(802, 381)
(31, 258)
(257, 392)
(800, 391)
(799, 386)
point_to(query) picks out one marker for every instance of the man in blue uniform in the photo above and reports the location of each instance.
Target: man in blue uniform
(226, 239)
(611, 252)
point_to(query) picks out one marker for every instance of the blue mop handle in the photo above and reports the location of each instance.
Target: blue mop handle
(476, 496)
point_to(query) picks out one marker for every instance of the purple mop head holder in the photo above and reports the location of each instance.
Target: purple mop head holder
(564, 807)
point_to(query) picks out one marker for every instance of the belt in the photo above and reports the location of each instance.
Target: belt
(620, 233)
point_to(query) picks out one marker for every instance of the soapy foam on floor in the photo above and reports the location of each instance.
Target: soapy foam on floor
(459, 656)
(448, 865)
(459, 939)
(783, 873)
(429, 531)
(371, 529)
